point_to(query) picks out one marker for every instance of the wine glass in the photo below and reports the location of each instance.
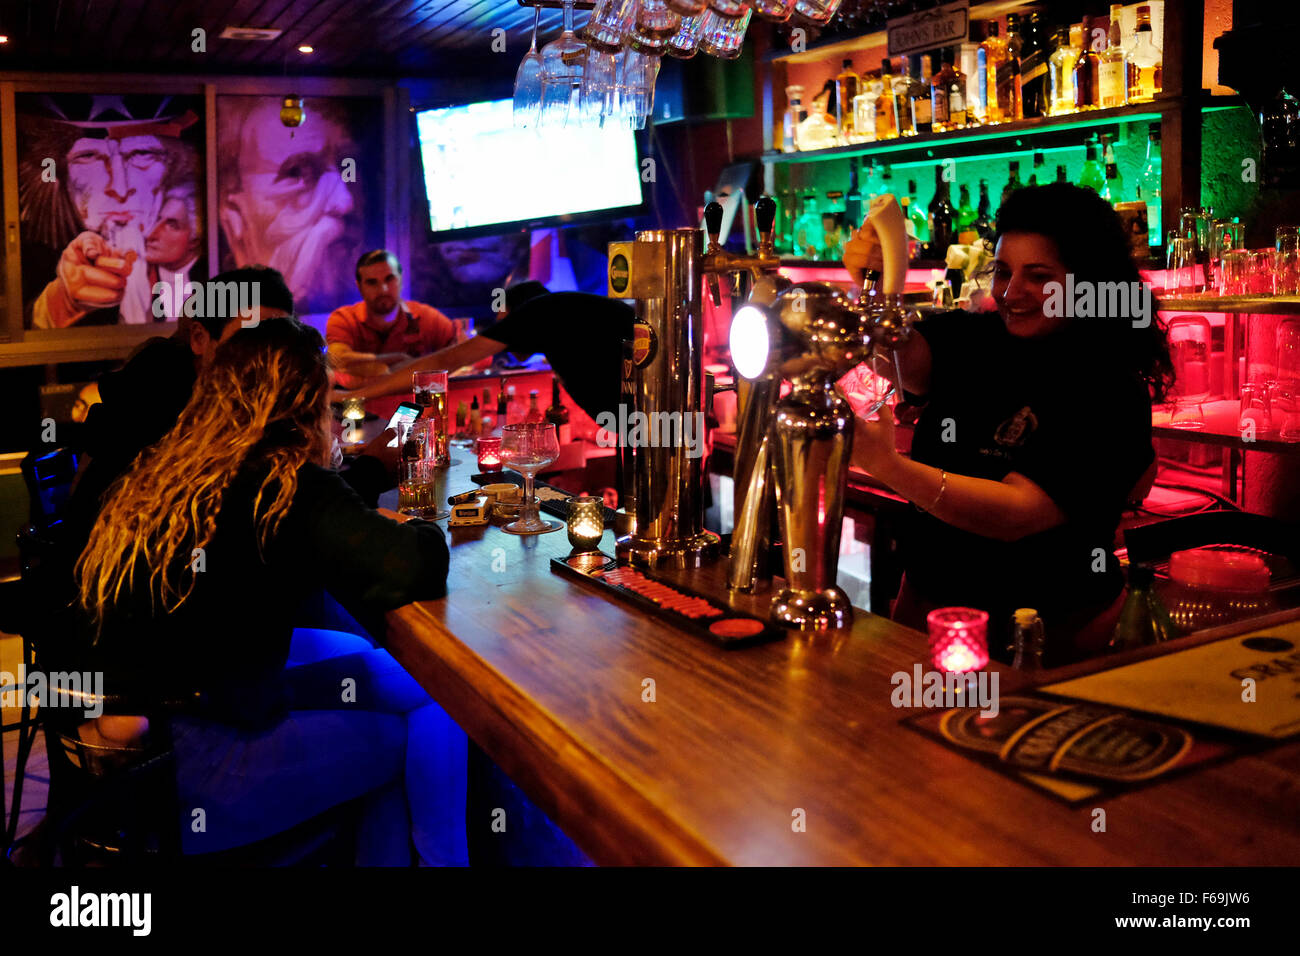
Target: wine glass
(529, 447)
(562, 63)
(528, 82)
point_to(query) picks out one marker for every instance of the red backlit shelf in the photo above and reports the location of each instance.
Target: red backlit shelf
(1248, 304)
(1220, 429)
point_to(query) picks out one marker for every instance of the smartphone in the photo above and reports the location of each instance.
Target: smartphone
(406, 412)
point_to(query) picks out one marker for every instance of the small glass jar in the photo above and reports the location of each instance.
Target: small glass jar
(489, 454)
(959, 639)
(586, 523)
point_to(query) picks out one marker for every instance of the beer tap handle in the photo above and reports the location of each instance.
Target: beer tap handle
(713, 224)
(765, 220)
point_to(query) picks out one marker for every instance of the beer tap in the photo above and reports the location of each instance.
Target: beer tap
(718, 261)
(798, 447)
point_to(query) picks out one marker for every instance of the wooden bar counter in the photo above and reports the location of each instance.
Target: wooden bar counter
(549, 678)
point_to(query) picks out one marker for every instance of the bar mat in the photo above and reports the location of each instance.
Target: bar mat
(559, 507)
(673, 604)
(1076, 752)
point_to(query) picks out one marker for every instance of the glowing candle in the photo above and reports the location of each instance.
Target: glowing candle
(958, 638)
(489, 454)
(586, 523)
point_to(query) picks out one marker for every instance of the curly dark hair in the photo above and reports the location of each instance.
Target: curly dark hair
(1092, 243)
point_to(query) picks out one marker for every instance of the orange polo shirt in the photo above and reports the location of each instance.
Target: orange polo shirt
(418, 330)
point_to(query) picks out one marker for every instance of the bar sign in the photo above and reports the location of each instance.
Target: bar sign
(928, 29)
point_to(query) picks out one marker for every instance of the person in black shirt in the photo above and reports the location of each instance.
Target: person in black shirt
(580, 334)
(186, 587)
(1036, 427)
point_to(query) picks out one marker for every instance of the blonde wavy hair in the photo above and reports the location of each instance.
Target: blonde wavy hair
(263, 401)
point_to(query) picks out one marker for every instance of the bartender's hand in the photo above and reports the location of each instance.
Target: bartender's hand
(862, 253)
(874, 448)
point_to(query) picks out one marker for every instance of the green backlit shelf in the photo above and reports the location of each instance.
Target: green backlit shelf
(1046, 132)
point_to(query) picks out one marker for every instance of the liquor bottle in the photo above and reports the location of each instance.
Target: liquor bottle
(941, 217)
(903, 101)
(514, 412)
(1060, 69)
(920, 226)
(886, 104)
(1145, 61)
(1148, 187)
(1034, 85)
(1143, 620)
(1013, 182)
(534, 413)
(938, 93)
(1112, 71)
(503, 401)
(1087, 91)
(853, 209)
(846, 88)
(983, 222)
(965, 211)
(808, 230)
(558, 414)
(1039, 163)
(958, 108)
(1092, 176)
(1008, 74)
(1113, 190)
(992, 53)
(1029, 641)
(794, 115)
(918, 95)
(1060, 174)
(864, 109)
(475, 418)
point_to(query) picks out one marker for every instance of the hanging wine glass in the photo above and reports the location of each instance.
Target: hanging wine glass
(562, 63)
(528, 82)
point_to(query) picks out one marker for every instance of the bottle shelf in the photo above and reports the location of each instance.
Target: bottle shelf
(1220, 428)
(1247, 304)
(836, 48)
(1045, 131)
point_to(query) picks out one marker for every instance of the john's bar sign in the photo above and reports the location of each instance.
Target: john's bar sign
(928, 29)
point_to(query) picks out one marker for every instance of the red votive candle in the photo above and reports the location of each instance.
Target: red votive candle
(959, 638)
(489, 454)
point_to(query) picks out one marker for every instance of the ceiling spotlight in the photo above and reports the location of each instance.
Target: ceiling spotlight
(306, 49)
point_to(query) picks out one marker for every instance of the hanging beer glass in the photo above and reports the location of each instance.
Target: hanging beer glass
(596, 99)
(655, 23)
(686, 41)
(819, 12)
(562, 62)
(722, 36)
(610, 23)
(778, 11)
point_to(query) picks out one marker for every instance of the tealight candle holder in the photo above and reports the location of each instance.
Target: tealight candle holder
(489, 454)
(959, 639)
(586, 523)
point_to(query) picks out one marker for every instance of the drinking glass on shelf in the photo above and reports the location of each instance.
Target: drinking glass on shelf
(528, 83)
(1286, 261)
(430, 393)
(529, 447)
(1256, 408)
(1259, 272)
(562, 62)
(1183, 275)
(1233, 270)
(1286, 394)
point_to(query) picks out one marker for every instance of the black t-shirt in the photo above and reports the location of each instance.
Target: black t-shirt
(581, 336)
(1051, 409)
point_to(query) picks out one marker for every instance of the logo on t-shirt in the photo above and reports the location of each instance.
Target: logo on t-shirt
(1015, 430)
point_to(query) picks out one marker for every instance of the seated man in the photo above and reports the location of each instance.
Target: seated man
(367, 337)
(580, 334)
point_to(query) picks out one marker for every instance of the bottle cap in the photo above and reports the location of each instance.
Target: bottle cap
(1025, 616)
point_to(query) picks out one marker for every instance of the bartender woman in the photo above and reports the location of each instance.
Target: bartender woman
(1035, 433)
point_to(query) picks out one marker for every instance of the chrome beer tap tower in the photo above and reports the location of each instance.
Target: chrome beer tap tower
(663, 270)
(798, 447)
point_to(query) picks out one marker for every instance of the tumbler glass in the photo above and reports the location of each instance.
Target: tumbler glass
(1286, 261)
(819, 12)
(723, 36)
(688, 8)
(777, 11)
(1233, 270)
(686, 41)
(730, 8)
(1259, 272)
(430, 392)
(655, 23)
(609, 25)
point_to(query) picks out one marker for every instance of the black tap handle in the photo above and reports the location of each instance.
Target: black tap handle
(713, 219)
(765, 214)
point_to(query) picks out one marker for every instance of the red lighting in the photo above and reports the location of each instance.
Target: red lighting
(959, 639)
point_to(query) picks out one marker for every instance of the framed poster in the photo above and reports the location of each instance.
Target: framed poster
(111, 202)
(306, 201)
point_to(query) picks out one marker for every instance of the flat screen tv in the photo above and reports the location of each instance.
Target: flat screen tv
(482, 175)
